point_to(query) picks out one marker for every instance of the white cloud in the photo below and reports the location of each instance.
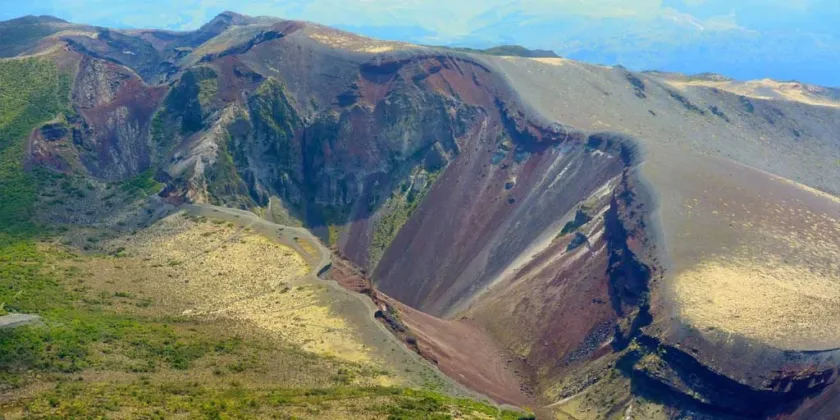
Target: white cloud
(716, 23)
(447, 19)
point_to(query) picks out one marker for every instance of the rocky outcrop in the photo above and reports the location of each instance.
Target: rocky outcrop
(267, 147)
(670, 375)
(244, 48)
(339, 165)
(106, 134)
(693, 374)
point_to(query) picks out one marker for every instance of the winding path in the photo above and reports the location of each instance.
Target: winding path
(319, 259)
(18, 320)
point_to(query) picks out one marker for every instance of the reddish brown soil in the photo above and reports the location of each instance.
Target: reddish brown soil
(555, 311)
(823, 406)
(348, 276)
(460, 349)
(467, 354)
(234, 78)
(470, 225)
(121, 124)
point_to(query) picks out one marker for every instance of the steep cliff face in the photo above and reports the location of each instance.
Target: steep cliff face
(332, 166)
(580, 294)
(422, 117)
(268, 146)
(108, 132)
(488, 211)
(117, 109)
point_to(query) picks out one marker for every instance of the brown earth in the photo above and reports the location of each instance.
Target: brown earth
(464, 352)
(459, 349)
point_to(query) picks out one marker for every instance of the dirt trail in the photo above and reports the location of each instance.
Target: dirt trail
(358, 309)
(18, 320)
(292, 237)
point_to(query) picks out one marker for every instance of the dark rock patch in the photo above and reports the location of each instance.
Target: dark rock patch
(581, 218)
(578, 241)
(638, 85)
(685, 102)
(715, 110)
(53, 132)
(747, 104)
(242, 49)
(391, 320)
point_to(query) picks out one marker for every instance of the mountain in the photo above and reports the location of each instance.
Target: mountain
(740, 40)
(17, 35)
(513, 51)
(503, 225)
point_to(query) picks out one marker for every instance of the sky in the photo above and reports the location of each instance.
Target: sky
(744, 39)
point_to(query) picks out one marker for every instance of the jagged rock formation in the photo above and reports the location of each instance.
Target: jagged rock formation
(582, 220)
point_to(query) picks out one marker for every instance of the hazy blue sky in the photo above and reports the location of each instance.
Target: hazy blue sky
(783, 39)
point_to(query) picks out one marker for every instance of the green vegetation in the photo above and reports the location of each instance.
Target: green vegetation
(398, 209)
(76, 339)
(581, 218)
(334, 234)
(32, 92)
(207, 90)
(183, 110)
(275, 118)
(164, 365)
(269, 126)
(224, 184)
(164, 133)
(143, 184)
(184, 102)
(192, 400)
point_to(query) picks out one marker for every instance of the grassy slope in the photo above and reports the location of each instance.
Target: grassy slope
(92, 359)
(19, 34)
(31, 92)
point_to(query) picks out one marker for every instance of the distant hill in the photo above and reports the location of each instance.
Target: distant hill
(17, 35)
(512, 51)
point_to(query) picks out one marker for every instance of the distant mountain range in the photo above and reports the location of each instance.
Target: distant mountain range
(745, 39)
(674, 43)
